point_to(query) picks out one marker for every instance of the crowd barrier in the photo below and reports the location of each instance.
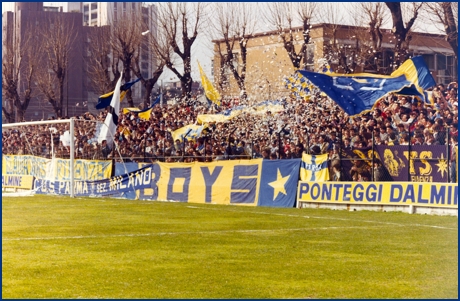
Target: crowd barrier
(257, 182)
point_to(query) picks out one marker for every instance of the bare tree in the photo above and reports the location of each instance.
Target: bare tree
(368, 41)
(284, 17)
(234, 24)
(126, 38)
(155, 46)
(445, 14)
(337, 51)
(103, 68)
(401, 30)
(57, 36)
(126, 44)
(181, 23)
(19, 58)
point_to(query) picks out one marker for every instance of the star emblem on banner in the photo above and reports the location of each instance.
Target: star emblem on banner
(442, 165)
(278, 185)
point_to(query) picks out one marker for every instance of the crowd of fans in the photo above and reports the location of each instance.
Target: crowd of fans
(316, 126)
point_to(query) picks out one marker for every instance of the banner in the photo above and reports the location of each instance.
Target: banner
(84, 170)
(17, 181)
(139, 179)
(25, 165)
(222, 116)
(314, 168)
(265, 106)
(261, 108)
(428, 162)
(278, 184)
(222, 182)
(55, 169)
(379, 193)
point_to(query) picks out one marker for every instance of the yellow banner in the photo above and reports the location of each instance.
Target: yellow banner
(56, 169)
(25, 165)
(379, 193)
(17, 181)
(207, 118)
(224, 182)
(84, 170)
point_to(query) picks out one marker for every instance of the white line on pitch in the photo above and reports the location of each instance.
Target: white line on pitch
(330, 218)
(175, 233)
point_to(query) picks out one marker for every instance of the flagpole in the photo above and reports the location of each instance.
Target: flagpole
(161, 94)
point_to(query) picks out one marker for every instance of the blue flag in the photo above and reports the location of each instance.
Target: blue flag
(278, 184)
(104, 100)
(357, 94)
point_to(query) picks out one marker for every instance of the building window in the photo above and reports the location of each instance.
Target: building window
(310, 59)
(445, 69)
(429, 60)
(451, 67)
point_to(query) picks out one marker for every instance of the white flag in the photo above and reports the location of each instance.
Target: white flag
(109, 128)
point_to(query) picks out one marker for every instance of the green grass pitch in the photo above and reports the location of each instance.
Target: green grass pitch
(58, 247)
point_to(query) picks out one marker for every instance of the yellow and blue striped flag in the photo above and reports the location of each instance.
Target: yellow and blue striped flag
(194, 131)
(145, 113)
(104, 100)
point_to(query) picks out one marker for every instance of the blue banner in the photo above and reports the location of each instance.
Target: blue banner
(118, 185)
(278, 184)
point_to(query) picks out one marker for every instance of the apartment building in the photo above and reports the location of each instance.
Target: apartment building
(84, 19)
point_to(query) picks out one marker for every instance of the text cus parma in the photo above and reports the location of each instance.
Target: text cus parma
(139, 179)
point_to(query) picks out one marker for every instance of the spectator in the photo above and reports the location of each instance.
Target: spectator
(357, 168)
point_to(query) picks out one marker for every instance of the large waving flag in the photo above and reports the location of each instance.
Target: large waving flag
(358, 93)
(278, 184)
(145, 113)
(212, 95)
(109, 127)
(418, 73)
(105, 100)
(314, 168)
